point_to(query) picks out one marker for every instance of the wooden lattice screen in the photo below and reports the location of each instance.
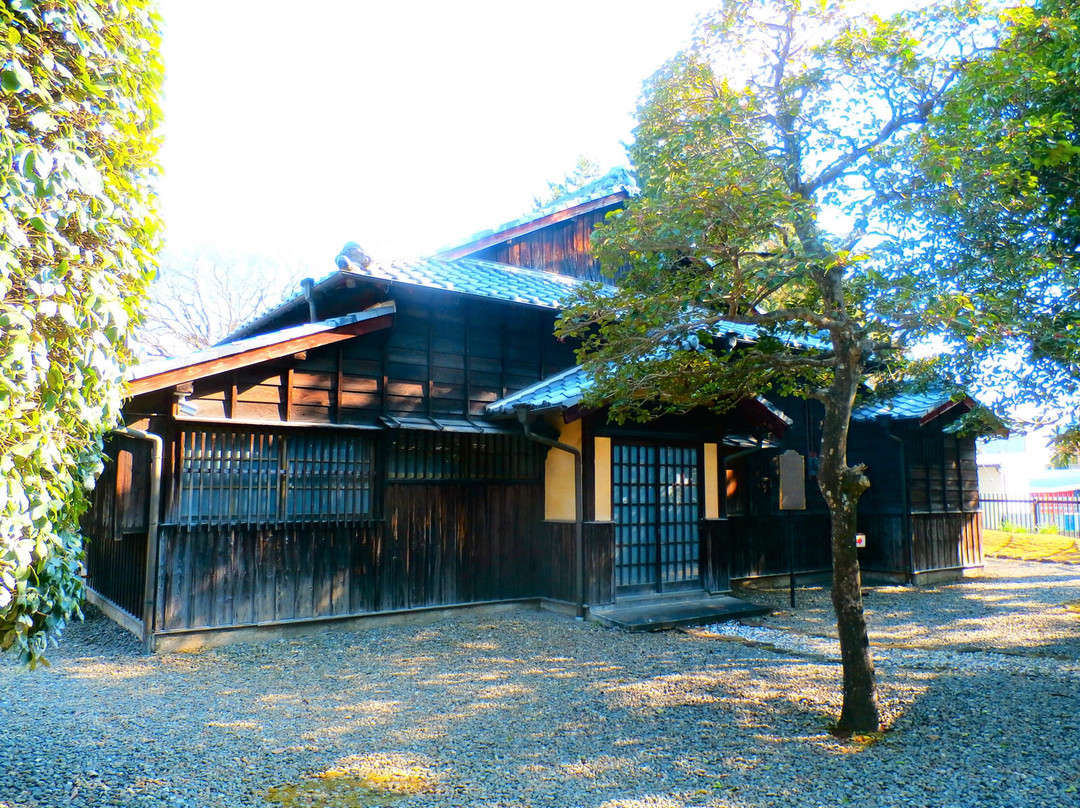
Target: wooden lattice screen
(269, 477)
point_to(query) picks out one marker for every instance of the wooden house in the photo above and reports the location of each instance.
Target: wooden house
(410, 437)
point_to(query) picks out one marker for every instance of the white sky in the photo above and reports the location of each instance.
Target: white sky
(292, 128)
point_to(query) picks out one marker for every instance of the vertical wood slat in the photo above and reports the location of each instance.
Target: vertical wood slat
(426, 553)
(238, 477)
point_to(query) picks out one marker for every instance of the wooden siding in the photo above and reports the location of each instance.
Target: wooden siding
(562, 247)
(556, 562)
(758, 546)
(446, 357)
(438, 544)
(947, 541)
(116, 525)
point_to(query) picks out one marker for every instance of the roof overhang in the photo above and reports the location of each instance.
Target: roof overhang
(523, 229)
(253, 350)
(967, 403)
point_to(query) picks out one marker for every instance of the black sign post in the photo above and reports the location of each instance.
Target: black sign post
(792, 498)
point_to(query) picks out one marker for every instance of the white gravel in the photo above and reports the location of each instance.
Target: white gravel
(979, 683)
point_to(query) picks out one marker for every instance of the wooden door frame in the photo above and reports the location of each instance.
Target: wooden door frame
(659, 587)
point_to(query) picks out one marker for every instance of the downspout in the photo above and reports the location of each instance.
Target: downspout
(308, 285)
(579, 507)
(909, 540)
(152, 527)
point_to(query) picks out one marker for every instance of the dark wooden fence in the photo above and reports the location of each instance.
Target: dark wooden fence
(116, 525)
(437, 544)
(557, 562)
(758, 545)
(1059, 512)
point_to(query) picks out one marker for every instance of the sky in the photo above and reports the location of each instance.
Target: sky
(404, 126)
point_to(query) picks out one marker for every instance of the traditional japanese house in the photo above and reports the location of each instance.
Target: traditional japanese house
(410, 437)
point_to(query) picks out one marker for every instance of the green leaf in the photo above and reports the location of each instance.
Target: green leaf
(16, 79)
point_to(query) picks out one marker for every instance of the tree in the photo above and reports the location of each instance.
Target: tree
(201, 295)
(783, 116)
(584, 171)
(993, 211)
(79, 85)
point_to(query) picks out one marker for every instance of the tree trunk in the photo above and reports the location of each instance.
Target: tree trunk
(842, 486)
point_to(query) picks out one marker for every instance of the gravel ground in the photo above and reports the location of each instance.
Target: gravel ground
(979, 683)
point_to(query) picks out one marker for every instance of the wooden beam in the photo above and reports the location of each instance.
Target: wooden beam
(212, 367)
(287, 393)
(233, 397)
(339, 383)
(530, 227)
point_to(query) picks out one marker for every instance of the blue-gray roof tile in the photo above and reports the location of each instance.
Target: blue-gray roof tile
(560, 391)
(903, 405)
(244, 344)
(472, 276)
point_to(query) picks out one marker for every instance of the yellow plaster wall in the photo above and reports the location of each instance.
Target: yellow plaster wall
(602, 479)
(559, 502)
(712, 482)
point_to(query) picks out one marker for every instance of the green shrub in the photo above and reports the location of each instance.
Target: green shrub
(1012, 527)
(79, 88)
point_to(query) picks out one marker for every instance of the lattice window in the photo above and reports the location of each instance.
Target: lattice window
(227, 476)
(428, 456)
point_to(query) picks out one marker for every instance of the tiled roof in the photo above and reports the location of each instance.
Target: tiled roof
(472, 276)
(562, 390)
(238, 346)
(905, 405)
(618, 180)
(565, 389)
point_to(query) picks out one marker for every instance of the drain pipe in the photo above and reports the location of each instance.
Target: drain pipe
(579, 507)
(308, 285)
(150, 580)
(909, 540)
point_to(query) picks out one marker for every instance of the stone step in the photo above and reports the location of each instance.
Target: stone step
(661, 614)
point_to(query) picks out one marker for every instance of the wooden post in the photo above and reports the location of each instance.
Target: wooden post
(792, 498)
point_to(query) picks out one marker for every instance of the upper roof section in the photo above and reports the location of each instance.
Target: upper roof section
(472, 276)
(354, 286)
(924, 407)
(610, 190)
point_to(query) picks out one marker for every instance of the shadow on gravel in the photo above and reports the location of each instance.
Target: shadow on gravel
(535, 709)
(1010, 607)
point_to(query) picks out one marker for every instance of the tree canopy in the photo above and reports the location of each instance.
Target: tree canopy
(786, 164)
(201, 295)
(79, 87)
(991, 215)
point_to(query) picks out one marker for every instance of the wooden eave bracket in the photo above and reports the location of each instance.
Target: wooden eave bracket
(254, 356)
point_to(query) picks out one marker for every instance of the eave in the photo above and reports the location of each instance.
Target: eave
(525, 228)
(253, 350)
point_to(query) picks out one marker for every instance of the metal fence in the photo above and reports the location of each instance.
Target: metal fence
(1058, 513)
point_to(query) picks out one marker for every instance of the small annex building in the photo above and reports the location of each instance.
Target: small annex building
(410, 437)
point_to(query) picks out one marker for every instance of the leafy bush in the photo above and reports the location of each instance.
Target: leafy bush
(79, 87)
(1012, 527)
